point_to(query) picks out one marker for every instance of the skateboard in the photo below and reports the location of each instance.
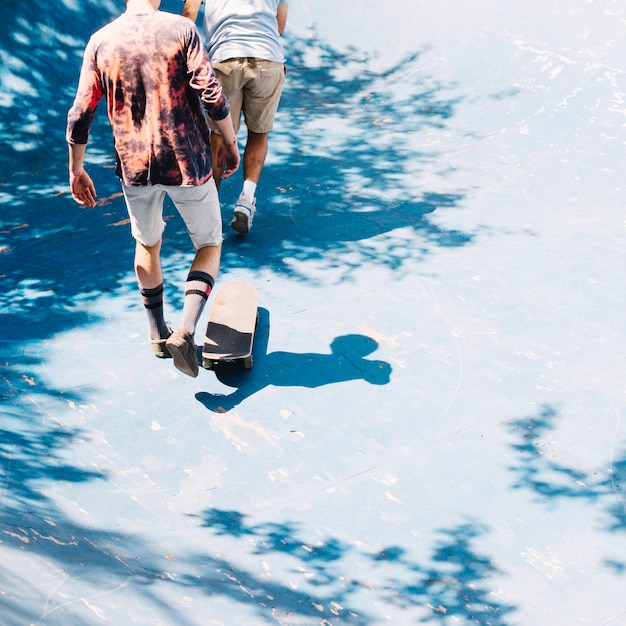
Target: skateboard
(232, 321)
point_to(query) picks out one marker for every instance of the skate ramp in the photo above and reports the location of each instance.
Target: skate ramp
(433, 428)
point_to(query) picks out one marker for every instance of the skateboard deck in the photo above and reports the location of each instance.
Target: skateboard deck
(232, 322)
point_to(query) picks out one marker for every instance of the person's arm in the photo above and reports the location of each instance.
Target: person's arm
(281, 17)
(192, 8)
(228, 154)
(79, 118)
(208, 87)
(81, 185)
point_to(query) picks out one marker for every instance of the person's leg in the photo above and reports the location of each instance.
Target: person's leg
(253, 161)
(148, 265)
(200, 210)
(150, 280)
(262, 92)
(254, 156)
(199, 284)
(144, 206)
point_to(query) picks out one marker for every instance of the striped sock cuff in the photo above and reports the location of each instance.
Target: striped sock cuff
(152, 298)
(203, 276)
(199, 283)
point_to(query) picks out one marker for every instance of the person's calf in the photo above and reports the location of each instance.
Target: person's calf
(197, 290)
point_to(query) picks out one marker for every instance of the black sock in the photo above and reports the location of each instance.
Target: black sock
(153, 303)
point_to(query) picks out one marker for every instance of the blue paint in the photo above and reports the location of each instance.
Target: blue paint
(432, 432)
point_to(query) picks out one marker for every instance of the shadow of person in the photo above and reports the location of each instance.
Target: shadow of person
(345, 362)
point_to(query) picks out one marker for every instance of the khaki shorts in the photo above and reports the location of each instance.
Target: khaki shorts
(198, 206)
(252, 86)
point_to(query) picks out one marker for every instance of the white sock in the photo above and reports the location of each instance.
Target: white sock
(249, 189)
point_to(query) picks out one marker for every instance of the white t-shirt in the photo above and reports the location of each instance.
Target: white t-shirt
(242, 28)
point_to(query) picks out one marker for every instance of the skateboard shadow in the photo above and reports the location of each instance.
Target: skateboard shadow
(345, 362)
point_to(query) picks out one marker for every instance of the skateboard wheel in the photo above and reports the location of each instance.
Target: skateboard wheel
(247, 362)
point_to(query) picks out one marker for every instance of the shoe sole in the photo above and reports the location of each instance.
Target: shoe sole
(184, 361)
(241, 222)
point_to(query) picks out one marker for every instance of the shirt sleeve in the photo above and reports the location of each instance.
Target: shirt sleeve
(88, 96)
(203, 80)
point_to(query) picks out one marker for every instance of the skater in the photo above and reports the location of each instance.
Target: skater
(243, 39)
(156, 77)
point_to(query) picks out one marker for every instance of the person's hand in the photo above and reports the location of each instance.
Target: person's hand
(82, 188)
(228, 158)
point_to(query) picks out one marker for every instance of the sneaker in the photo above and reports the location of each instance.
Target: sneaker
(244, 213)
(183, 350)
(158, 345)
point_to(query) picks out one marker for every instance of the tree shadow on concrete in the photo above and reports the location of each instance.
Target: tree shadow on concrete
(455, 585)
(345, 166)
(347, 361)
(330, 193)
(455, 582)
(273, 596)
(538, 471)
(51, 250)
(33, 458)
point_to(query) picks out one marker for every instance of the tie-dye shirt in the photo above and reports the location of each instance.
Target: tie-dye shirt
(155, 74)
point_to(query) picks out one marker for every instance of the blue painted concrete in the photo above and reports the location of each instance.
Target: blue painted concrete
(433, 429)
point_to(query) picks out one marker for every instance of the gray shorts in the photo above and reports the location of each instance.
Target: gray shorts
(198, 206)
(252, 86)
